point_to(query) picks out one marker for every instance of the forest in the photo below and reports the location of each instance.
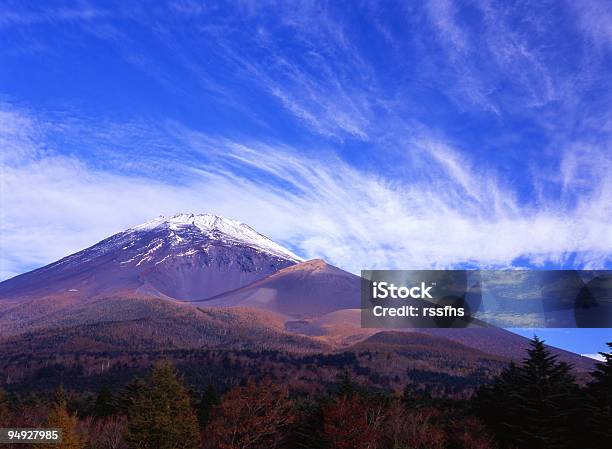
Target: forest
(535, 404)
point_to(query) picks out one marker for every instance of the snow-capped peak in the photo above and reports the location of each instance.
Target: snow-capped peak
(220, 228)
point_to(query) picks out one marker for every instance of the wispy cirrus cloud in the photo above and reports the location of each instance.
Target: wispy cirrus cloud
(450, 214)
(69, 13)
(514, 58)
(315, 88)
(384, 136)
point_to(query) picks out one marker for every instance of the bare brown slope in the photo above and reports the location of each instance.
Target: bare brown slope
(423, 347)
(343, 328)
(320, 300)
(308, 289)
(146, 323)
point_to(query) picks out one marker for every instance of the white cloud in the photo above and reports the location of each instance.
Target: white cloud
(319, 206)
(330, 89)
(594, 356)
(82, 13)
(442, 13)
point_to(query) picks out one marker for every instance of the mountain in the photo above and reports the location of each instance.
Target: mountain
(323, 301)
(203, 283)
(305, 290)
(185, 256)
(140, 323)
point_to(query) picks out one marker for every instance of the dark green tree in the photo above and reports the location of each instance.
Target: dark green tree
(532, 406)
(128, 394)
(105, 404)
(210, 399)
(599, 413)
(602, 384)
(161, 416)
(496, 403)
(307, 430)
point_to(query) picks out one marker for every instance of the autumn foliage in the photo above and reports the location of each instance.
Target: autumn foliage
(159, 410)
(353, 422)
(249, 417)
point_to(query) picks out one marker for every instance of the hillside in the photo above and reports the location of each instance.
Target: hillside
(185, 256)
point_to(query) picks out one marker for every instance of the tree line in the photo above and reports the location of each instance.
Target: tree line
(536, 404)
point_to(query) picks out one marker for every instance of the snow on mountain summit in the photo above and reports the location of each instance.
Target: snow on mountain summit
(185, 256)
(221, 229)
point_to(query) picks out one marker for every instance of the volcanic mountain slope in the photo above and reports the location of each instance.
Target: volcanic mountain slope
(239, 289)
(343, 329)
(182, 257)
(130, 331)
(308, 289)
(320, 300)
(139, 323)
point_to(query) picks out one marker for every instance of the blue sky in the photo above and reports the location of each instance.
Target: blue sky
(375, 135)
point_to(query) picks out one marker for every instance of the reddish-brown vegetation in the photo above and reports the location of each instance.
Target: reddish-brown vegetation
(249, 417)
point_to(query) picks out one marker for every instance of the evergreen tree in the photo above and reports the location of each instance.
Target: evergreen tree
(161, 416)
(307, 430)
(59, 417)
(532, 406)
(210, 398)
(128, 394)
(549, 397)
(408, 398)
(599, 414)
(104, 405)
(496, 403)
(603, 375)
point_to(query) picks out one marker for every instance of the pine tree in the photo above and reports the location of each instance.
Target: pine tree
(603, 375)
(128, 394)
(532, 406)
(161, 416)
(210, 398)
(599, 413)
(545, 397)
(496, 402)
(408, 398)
(307, 430)
(59, 417)
(104, 405)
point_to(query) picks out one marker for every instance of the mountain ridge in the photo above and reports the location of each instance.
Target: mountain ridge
(207, 263)
(181, 257)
